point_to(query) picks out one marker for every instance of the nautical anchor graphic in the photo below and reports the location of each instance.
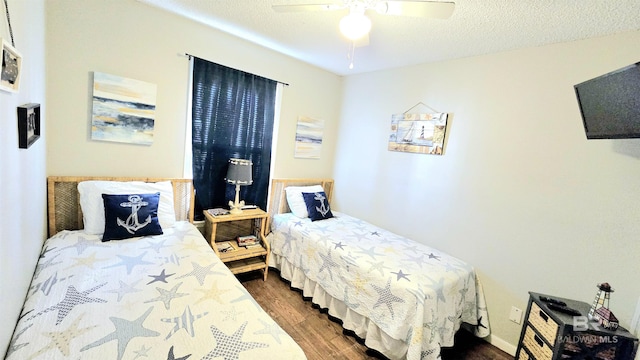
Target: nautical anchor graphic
(132, 224)
(322, 209)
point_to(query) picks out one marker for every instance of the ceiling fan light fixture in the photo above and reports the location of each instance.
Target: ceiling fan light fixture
(355, 25)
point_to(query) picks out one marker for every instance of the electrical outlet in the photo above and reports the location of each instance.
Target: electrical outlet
(515, 315)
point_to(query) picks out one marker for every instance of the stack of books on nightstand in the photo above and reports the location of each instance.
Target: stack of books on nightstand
(218, 211)
(226, 246)
(248, 241)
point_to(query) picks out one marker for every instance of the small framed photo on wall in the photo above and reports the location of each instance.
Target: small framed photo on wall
(28, 125)
(11, 68)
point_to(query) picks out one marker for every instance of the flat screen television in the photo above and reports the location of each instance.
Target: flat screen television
(610, 104)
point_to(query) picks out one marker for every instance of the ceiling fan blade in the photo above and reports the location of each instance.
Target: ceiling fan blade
(428, 9)
(307, 7)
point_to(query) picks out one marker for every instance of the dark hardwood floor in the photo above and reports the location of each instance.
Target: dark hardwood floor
(321, 336)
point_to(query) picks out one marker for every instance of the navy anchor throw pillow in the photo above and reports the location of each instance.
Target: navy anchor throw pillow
(131, 215)
(317, 205)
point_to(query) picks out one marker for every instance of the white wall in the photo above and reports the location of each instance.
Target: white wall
(519, 193)
(22, 171)
(131, 39)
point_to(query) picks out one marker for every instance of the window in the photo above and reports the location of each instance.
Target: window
(232, 117)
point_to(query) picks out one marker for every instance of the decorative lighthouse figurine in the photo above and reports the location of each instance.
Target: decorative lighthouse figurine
(600, 308)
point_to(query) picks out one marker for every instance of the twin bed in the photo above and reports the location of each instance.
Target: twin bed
(156, 297)
(168, 296)
(405, 299)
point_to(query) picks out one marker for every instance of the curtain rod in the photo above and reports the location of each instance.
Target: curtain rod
(279, 82)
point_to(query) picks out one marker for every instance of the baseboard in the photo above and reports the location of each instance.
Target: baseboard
(502, 345)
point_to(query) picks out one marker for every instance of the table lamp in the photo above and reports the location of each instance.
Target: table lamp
(239, 174)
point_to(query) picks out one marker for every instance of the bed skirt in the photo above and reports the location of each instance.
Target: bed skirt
(374, 337)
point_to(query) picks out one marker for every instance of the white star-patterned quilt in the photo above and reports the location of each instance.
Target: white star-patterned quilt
(159, 297)
(411, 292)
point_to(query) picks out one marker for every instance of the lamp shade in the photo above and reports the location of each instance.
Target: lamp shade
(355, 25)
(239, 172)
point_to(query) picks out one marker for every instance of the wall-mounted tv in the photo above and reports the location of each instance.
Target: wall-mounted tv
(610, 104)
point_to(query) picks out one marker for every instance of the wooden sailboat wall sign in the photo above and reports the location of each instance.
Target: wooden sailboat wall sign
(418, 133)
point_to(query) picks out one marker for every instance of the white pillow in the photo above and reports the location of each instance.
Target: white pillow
(93, 206)
(296, 200)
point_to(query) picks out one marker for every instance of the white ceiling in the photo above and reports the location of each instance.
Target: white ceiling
(476, 27)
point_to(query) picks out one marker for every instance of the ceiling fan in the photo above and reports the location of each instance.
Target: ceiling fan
(357, 25)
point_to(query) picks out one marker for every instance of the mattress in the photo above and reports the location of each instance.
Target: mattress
(159, 297)
(404, 298)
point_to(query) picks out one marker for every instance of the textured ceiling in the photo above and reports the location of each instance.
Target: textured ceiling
(476, 27)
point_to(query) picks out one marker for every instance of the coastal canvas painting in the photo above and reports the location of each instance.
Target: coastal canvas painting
(309, 138)
(124, 110)
(418, 133)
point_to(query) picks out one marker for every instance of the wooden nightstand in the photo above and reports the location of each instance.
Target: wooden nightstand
(228, 227)
(552, 335)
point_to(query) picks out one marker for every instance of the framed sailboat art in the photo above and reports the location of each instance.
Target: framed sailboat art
(418, 133)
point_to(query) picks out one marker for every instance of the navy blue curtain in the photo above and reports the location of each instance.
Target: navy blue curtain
(232, 116)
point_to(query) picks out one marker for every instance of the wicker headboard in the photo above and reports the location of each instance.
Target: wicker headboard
(278, 199)
(63, 200)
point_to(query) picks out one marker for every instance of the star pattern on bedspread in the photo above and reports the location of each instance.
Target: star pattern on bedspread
(200, 272)
(400, 275)
(327, 263)
(390, 250)
(171, 259)
(370, 252)
(213, 293)
(287, 239)
(83, 244)
(125, 289)
(386, 297)
(72, 298)
(425, 353)
(62, 339)
(407, 282)
(304, 269)
(182, 233)
(47, 285)
(349, 260)
(171, 356)
(167, 295)
(13, 344)
(358, 237)
(142, 352)
(245, 296)
(193, 245)
(230, 346)
(88, 261)
(418, 259)
(156, 246)
(359, 284)
(378, 266)
(272, 329)
(350, 305)
(230, 314)
(45, 251)
(161, 277)
(125, 330)
(43, 265)
(130, 262)
(437, 287)
(184, 321)
(419, 294)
